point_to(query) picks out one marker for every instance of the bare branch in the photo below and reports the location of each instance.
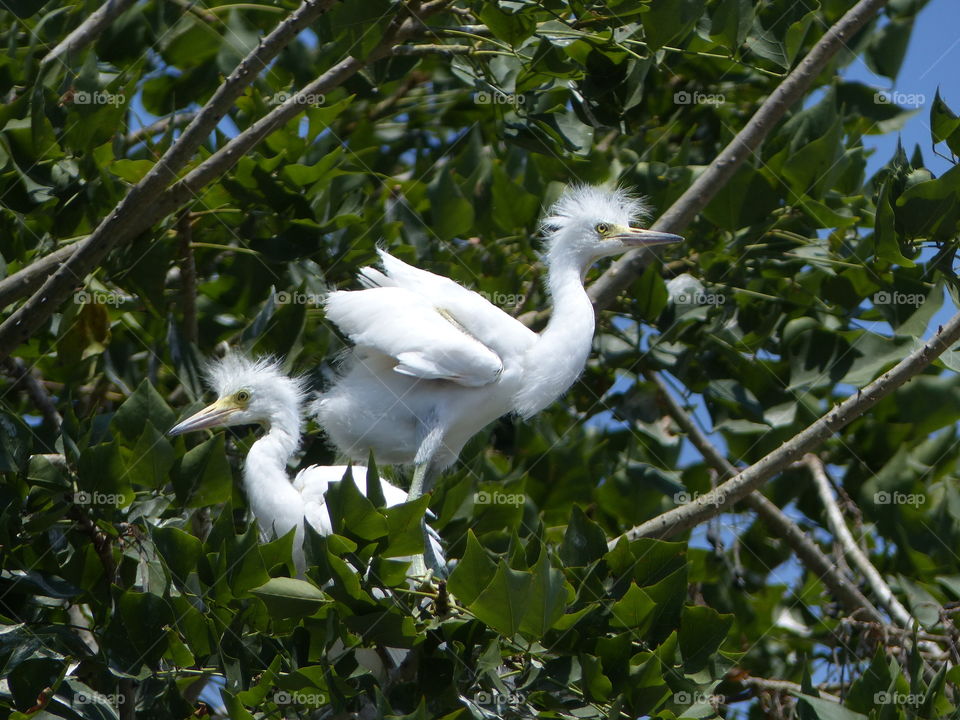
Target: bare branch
(851, 548)
(774, 518)
(89, 30)
(725, 495)
(28, 279)
(17, 369)
(604, 290)
(188, 277)
(162, 125)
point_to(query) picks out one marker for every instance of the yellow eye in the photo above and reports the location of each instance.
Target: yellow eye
(602, 228)
(243, 396)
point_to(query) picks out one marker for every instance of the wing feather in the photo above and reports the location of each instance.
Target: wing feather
(422, 338)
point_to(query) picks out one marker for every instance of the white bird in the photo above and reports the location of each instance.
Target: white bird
(258, 392)
(434, 362)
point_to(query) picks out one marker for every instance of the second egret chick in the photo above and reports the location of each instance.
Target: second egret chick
(258, 392)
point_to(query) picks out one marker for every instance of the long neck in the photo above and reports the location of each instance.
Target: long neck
(275, 503)
(556, 360)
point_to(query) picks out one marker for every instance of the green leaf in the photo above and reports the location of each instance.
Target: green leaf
(473, 573)
(203, 475)
(633, 610)
(829, 709)
(702, 630)
(144, 404)
(547, 599)
(502, 604)
(178, 549)
(290, 598)
(451, 213)
(583, 542)
(352, 513)
(669, 23)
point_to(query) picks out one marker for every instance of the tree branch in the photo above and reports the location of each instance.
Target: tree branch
(840, 531)
(29, 278)
(775, 519)
(129, 217)
(188, 278)
(89, 29)
(174, 120)
(604, 290)
(725, 495)
(17, 369)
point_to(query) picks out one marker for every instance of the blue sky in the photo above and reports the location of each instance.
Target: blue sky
(933, 59)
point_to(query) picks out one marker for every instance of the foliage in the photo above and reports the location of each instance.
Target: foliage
(802, 280)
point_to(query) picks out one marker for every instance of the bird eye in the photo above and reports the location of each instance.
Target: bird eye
(243, 396)
(602, 228)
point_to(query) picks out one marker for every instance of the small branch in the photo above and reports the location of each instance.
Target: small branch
(782, 686)
(29, 278)
(850, 548)
(89, 30)
(23, 377)
(160, 126)
(188, 277)
(773, 517)
(725, 495)
(618, 276)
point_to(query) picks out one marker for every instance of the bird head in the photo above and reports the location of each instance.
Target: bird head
(248, 392)
(590, 222)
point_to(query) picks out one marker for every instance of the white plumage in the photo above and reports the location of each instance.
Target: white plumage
(434, 362)
(258, 392)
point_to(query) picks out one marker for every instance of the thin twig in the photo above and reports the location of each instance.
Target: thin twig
(23, 377)
(851, 548)
(89, 30)
(29, 278)
(160, 126)
(188, 277)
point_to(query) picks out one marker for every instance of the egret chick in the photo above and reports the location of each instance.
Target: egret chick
(433, 363)
(258, 392)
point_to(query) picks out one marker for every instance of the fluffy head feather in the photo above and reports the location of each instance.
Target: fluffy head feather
(270, 390)
(590, 204)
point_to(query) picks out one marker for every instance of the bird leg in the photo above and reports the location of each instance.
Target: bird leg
(426, 565)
